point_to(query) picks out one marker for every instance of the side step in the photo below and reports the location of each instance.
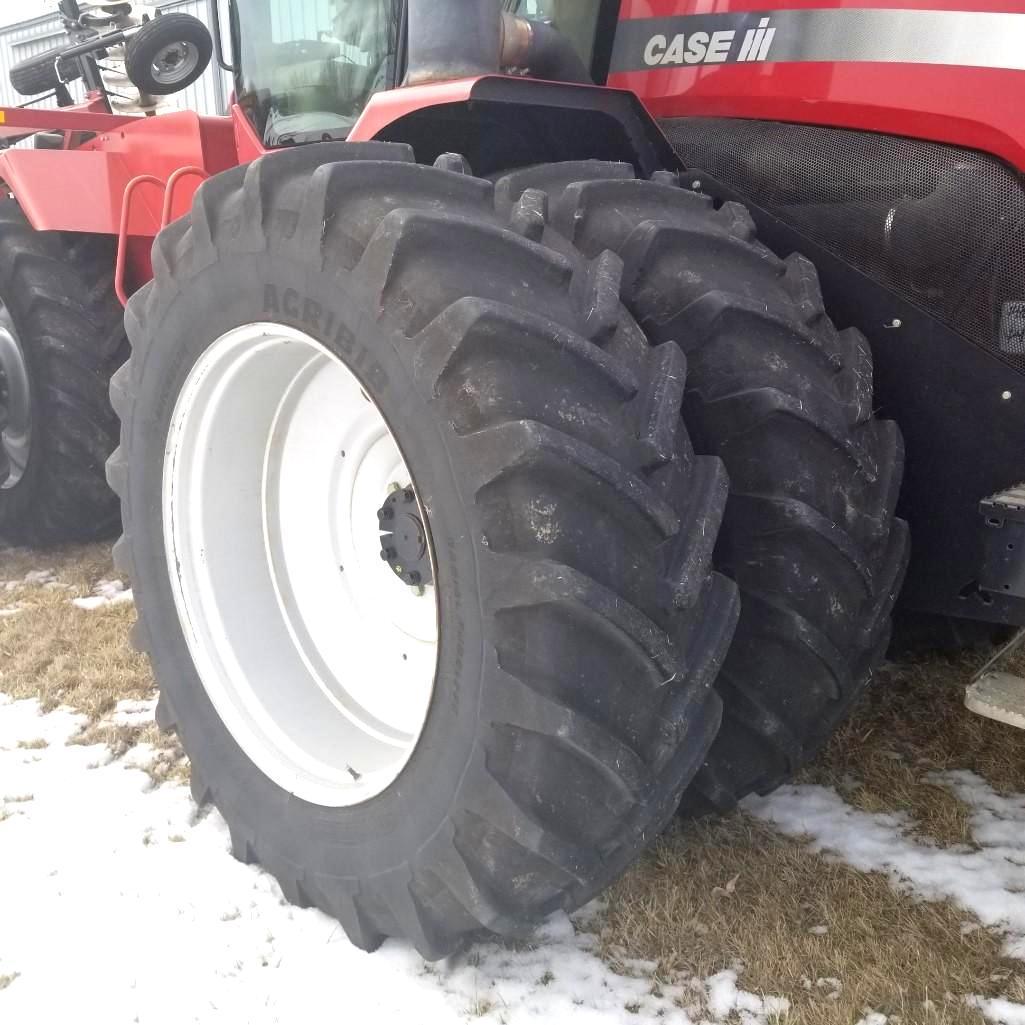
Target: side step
(999, 696)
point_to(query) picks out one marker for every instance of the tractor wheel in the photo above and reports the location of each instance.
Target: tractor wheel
(42, 73)
(786, 401)
(61, 338)
(421, 550)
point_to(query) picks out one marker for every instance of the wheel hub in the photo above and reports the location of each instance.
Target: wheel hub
(15, 395)
(175, 63)
(404, 543)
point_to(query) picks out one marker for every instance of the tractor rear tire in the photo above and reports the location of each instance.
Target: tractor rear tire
(785, 400)
(39, 74)
(57, 291)
(580, 625)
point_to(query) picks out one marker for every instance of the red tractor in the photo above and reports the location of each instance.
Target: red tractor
(449, 604)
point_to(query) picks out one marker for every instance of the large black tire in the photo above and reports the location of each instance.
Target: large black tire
(573, 698)
(785, 400)
(39, 74)
(59, 291)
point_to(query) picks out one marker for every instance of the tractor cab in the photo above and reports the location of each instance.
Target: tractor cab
(305, 71)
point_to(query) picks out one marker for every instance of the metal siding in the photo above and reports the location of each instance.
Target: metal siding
(25, 39)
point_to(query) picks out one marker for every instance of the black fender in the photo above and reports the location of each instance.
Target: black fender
(503, 122)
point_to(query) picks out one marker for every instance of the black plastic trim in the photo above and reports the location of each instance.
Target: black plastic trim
(964, 439)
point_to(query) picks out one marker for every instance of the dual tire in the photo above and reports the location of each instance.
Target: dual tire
(530, 345)
(61, 338)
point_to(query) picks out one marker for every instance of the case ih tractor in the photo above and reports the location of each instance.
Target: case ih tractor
(493, 476)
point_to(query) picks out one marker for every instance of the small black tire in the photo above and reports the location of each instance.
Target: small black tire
(162, 35)
(785, 399)
(573, 698)
(44, 72)
(58, 289)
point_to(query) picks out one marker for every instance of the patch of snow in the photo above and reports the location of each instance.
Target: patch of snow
(34, 578)
(831, 986)
(726, 998)
(873, 1018)
(134, 895)
(106, 592)
(1000, 1010)
(133, 713)
(989, 882)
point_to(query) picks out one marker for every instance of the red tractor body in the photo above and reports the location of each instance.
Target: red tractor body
(949, 71)
(883, 141)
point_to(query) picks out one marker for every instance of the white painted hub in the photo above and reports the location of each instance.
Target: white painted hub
(318, 659)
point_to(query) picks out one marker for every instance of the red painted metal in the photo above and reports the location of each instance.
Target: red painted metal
(67, 119)
(979, 108)
(83, 189)
(248, 144)
(387, 107)
(91, 115)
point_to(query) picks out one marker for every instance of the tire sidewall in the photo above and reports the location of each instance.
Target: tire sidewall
(16, 500)
(388, 830)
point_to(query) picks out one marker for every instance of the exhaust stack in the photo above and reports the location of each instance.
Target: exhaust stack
(469, 38)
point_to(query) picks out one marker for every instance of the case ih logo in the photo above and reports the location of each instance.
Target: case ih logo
(983, 39)
(711, 47)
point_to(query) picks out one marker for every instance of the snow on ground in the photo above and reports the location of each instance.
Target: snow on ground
(999, 1010)
(119, 903)
(106, 592)
(103, 594)
(34, 578)
(988, 880)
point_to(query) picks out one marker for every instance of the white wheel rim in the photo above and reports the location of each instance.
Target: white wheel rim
(317, 658)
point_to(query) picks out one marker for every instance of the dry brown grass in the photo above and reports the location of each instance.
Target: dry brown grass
(910, 724)
(890, 952)
(64, 655)
(71, 657)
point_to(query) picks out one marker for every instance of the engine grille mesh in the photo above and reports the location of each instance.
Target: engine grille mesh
(943, 227)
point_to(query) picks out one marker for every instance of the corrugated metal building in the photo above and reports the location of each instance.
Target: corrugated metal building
(26, 38)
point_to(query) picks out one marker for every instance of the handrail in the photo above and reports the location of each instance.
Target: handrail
(122, 236)
(169, 188)
(172, 184)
